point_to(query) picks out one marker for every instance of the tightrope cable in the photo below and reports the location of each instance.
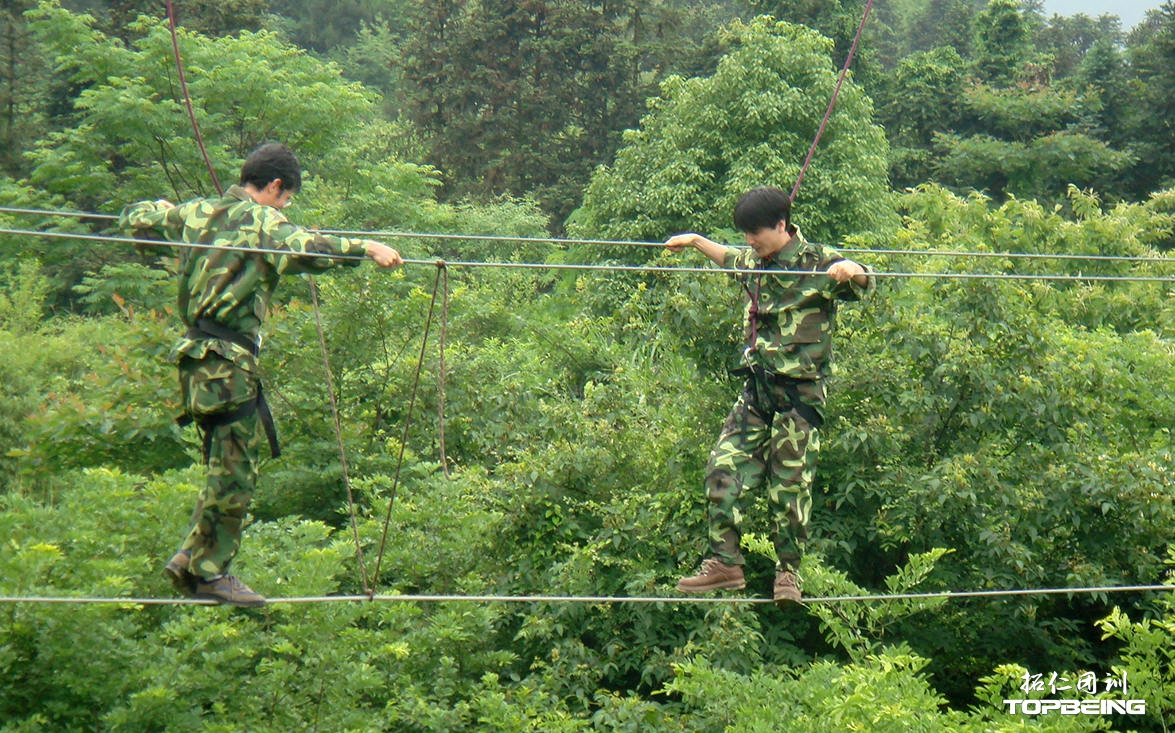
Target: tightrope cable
(610, 600)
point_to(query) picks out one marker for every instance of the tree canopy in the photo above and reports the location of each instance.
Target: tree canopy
(709, 139)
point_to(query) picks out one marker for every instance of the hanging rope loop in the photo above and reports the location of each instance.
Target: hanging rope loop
(442, 272)
(334, 411)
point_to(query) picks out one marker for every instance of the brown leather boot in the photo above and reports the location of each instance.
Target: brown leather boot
(787, 588)
(226, 589)
(714, 575)
(177, 572)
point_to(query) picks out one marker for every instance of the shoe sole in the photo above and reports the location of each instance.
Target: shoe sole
(228, 602)
(782, 600)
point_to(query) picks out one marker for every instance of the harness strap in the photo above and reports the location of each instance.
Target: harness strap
(803, 409)
(753, 311)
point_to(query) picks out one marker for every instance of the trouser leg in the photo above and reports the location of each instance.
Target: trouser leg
(213, 387)
(223, 503)
(795, 446)
(737, 463)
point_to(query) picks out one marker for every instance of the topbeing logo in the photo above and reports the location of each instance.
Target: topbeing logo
(1076, 707)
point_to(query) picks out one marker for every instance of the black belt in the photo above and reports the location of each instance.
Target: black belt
(204, 328)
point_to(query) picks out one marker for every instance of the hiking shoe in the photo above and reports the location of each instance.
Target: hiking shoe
(177, 572)
(787, 588)
(714, 575)
(226, 589)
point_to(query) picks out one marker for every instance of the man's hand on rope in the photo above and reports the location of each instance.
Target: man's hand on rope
(383, 255)
(844, 270)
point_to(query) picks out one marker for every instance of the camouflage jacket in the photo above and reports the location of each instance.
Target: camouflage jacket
(792, 333)
(233, 287)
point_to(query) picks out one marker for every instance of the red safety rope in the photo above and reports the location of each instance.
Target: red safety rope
(179, 67)
(832, 102)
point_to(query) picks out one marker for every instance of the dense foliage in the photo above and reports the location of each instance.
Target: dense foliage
(528, 98)
(709, 139)
(984, 434)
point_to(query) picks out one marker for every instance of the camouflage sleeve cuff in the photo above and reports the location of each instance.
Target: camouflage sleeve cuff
(141, 215)
(354, 246)
(354, 251)
(861, 291)
(730, 259)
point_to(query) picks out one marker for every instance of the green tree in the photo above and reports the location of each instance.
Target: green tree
(1069, 39)
(945, 23)
(984, 434)
(22, 87)
(129, 138)
(1147, 662)
(246, 89)
(324, 27)
(519, 98)
(1018, 133)
(208, 17)
(836, 19)
(375, 59)
(923, 96)
(991, 437)
(1104, 73)
(1028, 142)
(1025, 426)
(707, 140)
(1003, 43)
(1152, 59)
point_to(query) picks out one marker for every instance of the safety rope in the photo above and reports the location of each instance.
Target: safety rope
(612, 267)
(563, 241)
(441, 370)
(611, 600)
(441, 271)
(334, 411)
(179, 66)
(832, 102)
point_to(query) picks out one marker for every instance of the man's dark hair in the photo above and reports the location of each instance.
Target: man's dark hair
(270, 162)
(763, 208)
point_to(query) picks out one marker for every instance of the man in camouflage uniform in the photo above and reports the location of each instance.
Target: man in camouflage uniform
(771, 437)
(224, 293)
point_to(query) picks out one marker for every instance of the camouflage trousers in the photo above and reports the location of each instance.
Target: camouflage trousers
(766, 444)
(212, 387)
